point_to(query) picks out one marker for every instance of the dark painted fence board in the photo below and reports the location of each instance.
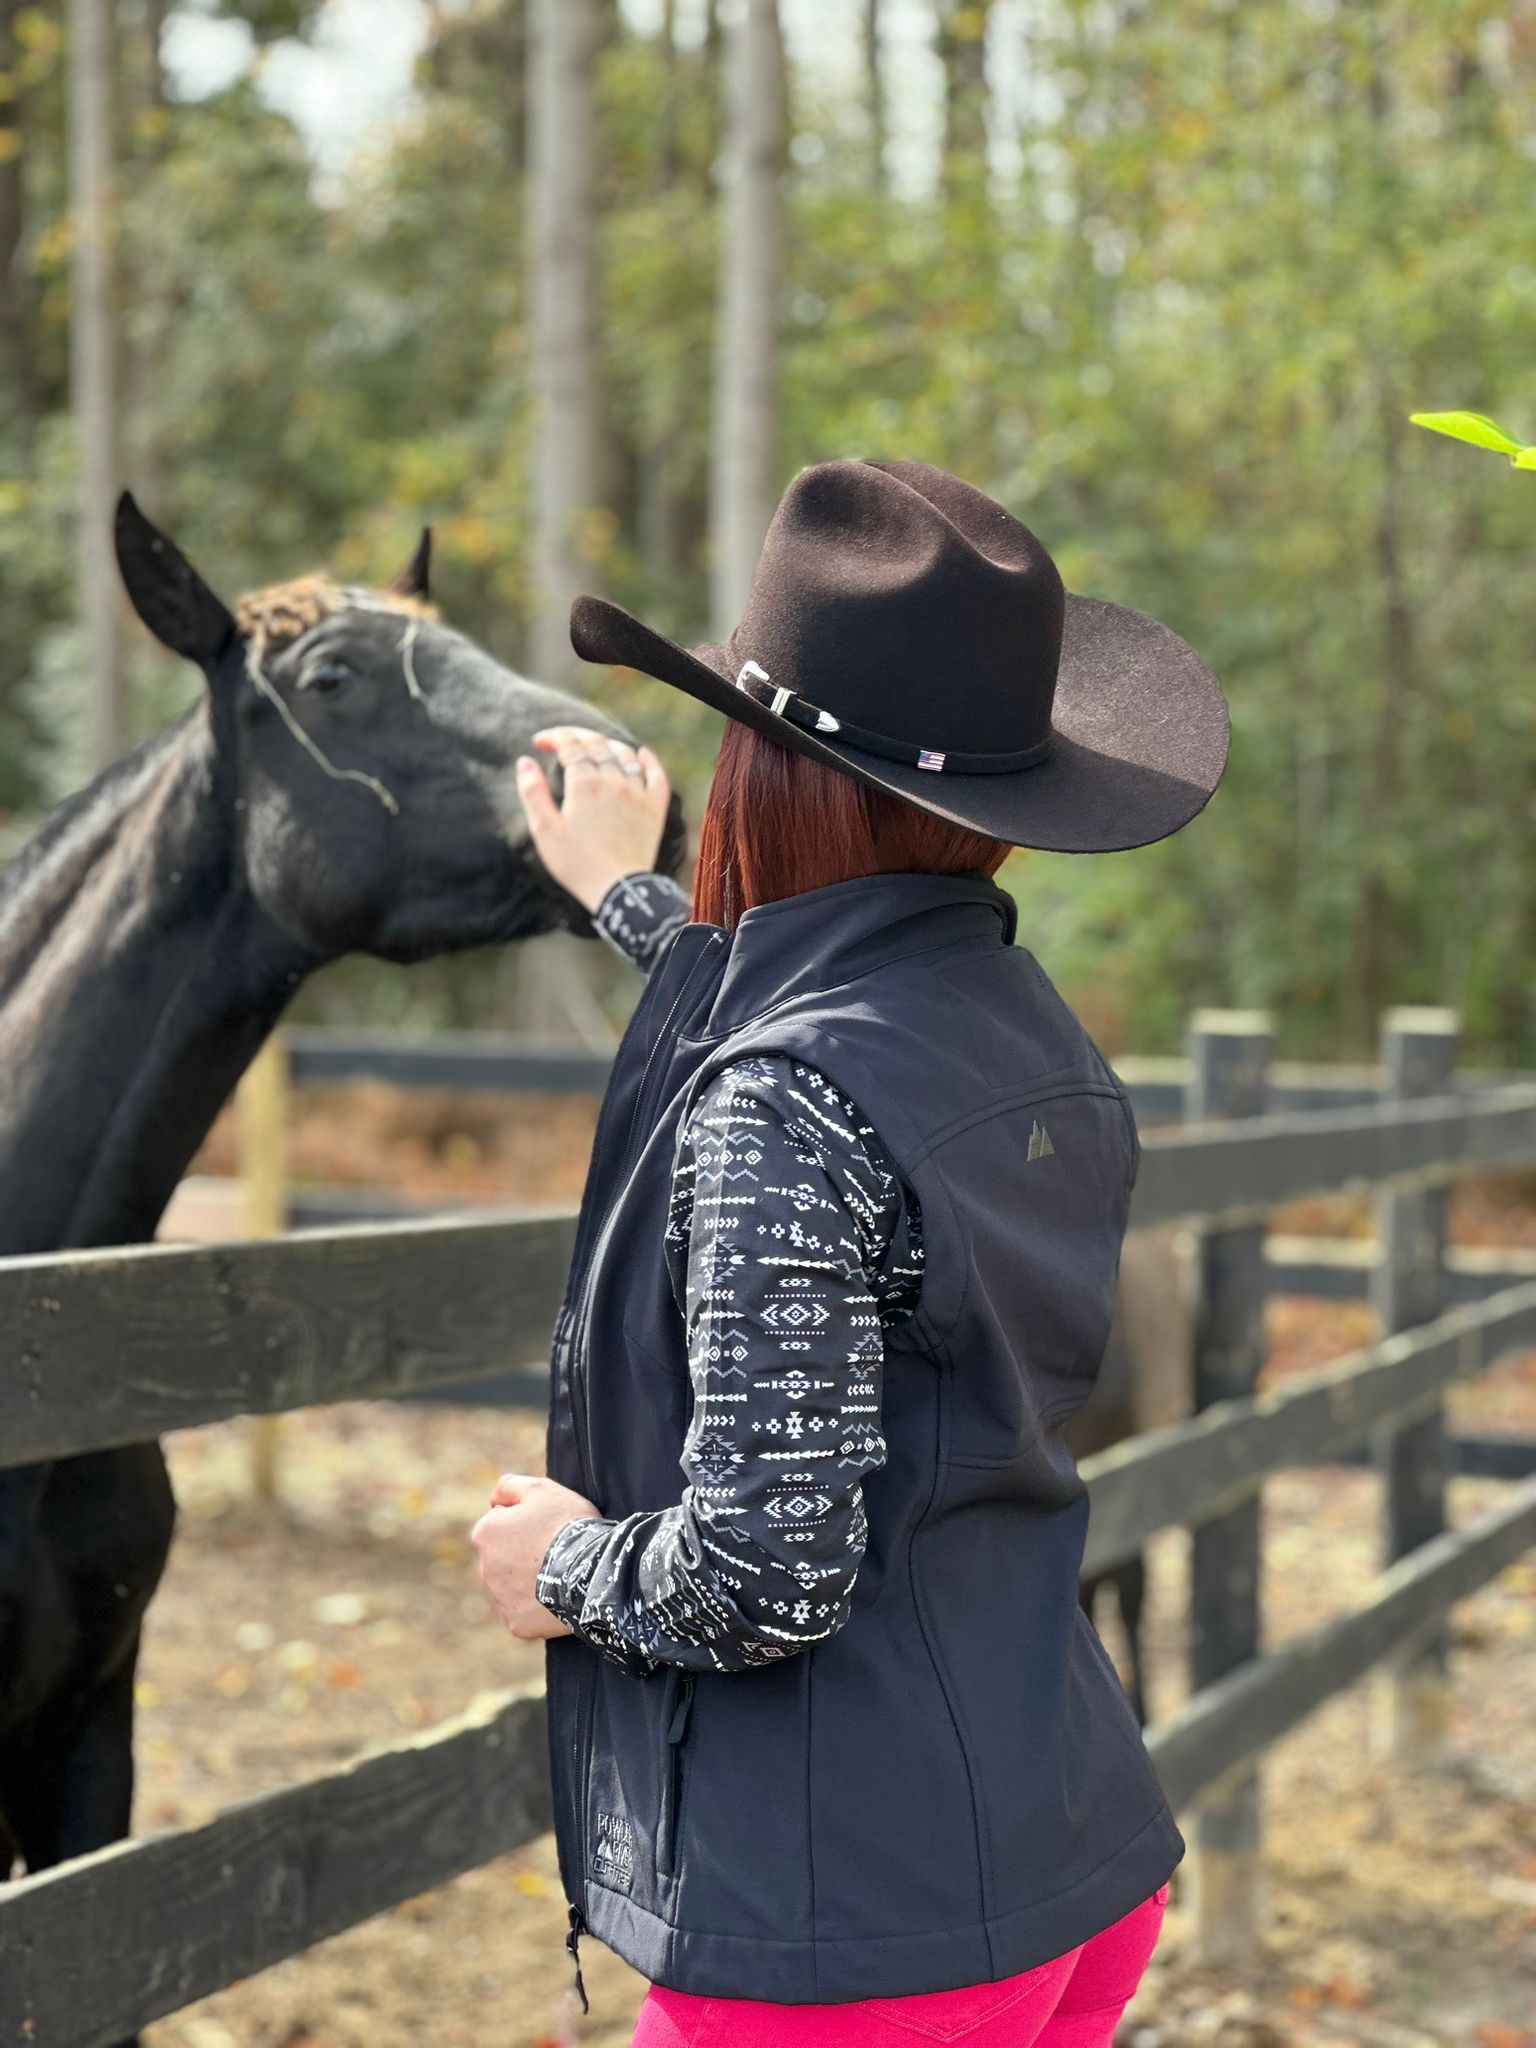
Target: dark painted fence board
(102, 1347)
(1234, 1174)
(108, 1347)
(1230, 1052)
(1240, 1715)
(507, 1063)
(114, 1940)
(174, 1918)
(1198, 1468)
(470, 1060)
(1412, 1704)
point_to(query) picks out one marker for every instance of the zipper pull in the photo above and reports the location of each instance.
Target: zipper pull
(577, 1929)
(679, 1720)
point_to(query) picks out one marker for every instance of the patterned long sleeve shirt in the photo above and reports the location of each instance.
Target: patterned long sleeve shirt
(793, 1245)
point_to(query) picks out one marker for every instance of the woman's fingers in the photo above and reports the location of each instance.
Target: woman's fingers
(577, 747)
(609, 820)
(538, 798)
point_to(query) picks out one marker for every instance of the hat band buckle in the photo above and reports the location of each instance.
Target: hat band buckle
(755, 681)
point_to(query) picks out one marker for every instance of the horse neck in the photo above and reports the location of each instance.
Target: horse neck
(138, 978)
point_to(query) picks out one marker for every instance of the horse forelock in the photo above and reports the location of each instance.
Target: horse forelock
(281, 613)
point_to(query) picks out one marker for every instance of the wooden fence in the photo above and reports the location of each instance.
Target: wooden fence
(108, 1347)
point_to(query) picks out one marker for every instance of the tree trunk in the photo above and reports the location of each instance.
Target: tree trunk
(92, 348)
(512, 40)
(15, 352)
(142, 357)
(561, 318)
(666, 148)
(1378, 951)
(745, 467)
(874, 94)
(963, 51)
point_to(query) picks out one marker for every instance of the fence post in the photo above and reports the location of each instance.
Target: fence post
(262, 1109)
(1229, 1054)
(1410, 1694)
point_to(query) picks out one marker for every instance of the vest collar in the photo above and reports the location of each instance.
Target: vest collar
(827, 936)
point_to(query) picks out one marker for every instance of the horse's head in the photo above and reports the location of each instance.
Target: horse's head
(370, 751)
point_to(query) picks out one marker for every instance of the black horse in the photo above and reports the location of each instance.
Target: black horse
(344, 785)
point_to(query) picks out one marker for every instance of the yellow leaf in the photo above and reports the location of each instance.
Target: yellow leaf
(36, 30)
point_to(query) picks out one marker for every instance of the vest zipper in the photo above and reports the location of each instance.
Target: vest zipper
(602, 1143)
(578, 1928)
(645, 1096)
(577, 1316)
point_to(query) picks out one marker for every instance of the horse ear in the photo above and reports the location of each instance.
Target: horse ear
(167, 592)
(415, 579)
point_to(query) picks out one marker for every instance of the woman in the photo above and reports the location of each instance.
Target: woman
(836, 1755)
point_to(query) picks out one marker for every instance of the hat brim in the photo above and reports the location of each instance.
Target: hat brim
(1140, 728)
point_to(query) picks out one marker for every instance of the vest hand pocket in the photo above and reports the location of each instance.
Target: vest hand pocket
(676, 1711)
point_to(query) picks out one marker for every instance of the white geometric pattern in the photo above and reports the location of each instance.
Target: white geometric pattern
(793, 1243)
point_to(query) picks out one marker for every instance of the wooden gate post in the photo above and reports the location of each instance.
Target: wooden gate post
(1410, 1694)
(262, 1106)
(1229, 1052)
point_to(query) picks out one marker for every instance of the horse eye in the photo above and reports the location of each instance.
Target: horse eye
(330, 675)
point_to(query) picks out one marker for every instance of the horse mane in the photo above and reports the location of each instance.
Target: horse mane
(62, 849)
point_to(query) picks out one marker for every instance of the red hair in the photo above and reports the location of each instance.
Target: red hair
(778, 823)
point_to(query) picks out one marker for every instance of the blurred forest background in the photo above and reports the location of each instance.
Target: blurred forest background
(1166, 278)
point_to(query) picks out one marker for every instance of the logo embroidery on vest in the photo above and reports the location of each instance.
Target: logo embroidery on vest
(1040, 1146)
(613, 1859)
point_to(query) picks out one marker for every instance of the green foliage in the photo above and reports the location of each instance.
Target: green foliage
(1481, 431)
(1178, 332)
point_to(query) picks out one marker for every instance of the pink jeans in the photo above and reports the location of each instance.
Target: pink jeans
(1074, 2001)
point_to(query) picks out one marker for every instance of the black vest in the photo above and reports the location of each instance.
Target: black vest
(952, 1788)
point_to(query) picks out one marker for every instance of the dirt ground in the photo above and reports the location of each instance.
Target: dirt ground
(1401, 1904)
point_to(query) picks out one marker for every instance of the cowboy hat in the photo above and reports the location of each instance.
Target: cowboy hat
(906, 628)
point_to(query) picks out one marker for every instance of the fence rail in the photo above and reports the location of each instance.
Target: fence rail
(117, 1345)
(181, 1915)
(172, 1918)
(509, 1063)
(106, 1347)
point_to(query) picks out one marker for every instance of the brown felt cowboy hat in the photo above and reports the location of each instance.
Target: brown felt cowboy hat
(904, 627)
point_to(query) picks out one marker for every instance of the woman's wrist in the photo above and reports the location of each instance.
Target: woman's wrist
(630, 875)
(640, 912)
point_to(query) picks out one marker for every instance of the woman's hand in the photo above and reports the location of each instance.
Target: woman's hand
(610, 822)
(511, 1538)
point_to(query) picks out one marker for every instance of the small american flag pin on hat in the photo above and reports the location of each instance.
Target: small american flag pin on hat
(926, 758)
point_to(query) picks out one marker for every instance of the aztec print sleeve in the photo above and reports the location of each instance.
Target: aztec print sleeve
(639, 914)
(793, 1244)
